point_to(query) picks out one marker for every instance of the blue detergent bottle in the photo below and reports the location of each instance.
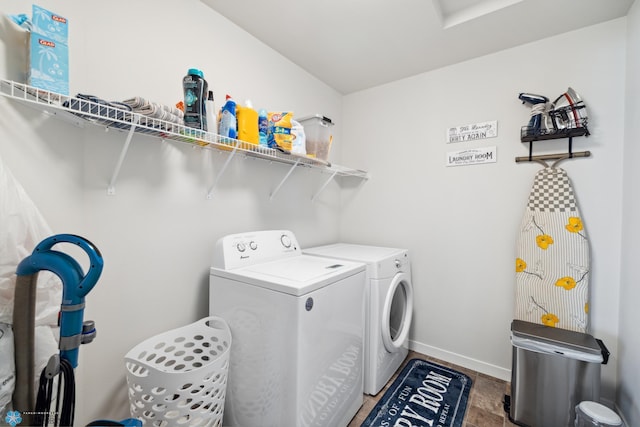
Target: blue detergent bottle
(228, 123)
(263, 127)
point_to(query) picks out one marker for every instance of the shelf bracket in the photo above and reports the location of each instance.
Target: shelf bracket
(273, 194)
(221, 172)
(111, 189)
(321, 189)
(570, 154)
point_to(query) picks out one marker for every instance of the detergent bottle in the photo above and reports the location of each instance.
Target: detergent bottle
(228, 123)
(212, 122)
(248, 123)
(195, 95)
(263, 127)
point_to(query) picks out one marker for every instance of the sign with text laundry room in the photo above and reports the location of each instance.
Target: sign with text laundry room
(472, 132)
(473, 156)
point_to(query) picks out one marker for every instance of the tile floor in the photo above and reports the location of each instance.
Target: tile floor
(484, 408)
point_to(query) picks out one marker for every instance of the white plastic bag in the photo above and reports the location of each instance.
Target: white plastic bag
(7, 365)
(23, 227)
(298, 146)
(14, 46)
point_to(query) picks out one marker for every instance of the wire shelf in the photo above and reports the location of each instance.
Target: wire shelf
(573, 128)
(90, 110)
(108, 115)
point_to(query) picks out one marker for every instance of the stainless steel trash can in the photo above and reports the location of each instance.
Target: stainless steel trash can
(552, 371)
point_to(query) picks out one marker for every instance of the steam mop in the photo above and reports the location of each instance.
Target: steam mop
(32, 410)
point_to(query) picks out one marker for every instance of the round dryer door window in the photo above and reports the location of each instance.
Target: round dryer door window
(397, 312)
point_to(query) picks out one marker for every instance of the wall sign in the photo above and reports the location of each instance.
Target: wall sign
(471, 157)
(472, 132)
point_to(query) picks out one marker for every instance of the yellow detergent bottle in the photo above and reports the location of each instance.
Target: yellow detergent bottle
(248, 123)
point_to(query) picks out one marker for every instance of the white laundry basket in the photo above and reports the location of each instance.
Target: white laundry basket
(179, 378)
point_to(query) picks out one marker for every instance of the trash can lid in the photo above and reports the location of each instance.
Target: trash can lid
(600, 413)
(577, 341)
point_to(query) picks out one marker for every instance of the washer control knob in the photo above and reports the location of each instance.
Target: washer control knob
(253, 245)
(398, 263)
(241, 247)
(285, 240)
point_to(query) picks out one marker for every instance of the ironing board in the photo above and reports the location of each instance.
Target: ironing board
(552, 257)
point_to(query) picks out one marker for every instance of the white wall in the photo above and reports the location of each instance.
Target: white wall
(157, 233)
(461, 223)
(628, 397)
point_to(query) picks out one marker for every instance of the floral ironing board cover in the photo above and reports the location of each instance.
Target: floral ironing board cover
(552, 261)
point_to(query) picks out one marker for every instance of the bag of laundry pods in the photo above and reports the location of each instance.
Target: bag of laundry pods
(279, 134)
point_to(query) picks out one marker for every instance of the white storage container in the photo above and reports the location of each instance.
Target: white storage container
(317, 131)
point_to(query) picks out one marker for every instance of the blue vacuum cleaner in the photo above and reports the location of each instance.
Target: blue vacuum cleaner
(74, 331)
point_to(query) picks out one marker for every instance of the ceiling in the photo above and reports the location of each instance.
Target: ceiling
(357, 44)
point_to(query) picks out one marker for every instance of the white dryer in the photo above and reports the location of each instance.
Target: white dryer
(389, 307)
(297, 323)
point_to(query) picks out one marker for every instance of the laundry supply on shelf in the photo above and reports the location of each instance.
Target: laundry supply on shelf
(263, 127)
(21, 20)
(318, 137)
(279, 135)
(210, 107)
(45, 61)
(195, 96)
(154, 110)
(298, 144)
(49, 51)
(248, 123)
(228, 122)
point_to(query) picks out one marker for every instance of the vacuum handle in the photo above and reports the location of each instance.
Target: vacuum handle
(96, 262)
(75, 285)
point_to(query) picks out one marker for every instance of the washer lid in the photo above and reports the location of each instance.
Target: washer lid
(296, 275)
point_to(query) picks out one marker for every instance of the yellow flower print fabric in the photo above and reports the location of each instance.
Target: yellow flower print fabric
(553, 256)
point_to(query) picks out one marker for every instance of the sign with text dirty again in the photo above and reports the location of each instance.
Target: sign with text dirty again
(472, 132)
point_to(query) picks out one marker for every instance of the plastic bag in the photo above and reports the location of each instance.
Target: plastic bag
(298, 145)
(7, 365)
(23, 227)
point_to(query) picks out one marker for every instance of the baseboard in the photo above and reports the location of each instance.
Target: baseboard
(458, 359)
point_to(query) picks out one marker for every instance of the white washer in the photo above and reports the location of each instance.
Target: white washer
(389, 307)
(297, 323)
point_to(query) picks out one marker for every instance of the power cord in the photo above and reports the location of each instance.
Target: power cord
(65, 398)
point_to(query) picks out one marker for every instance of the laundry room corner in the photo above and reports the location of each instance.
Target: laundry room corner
(461, 222)
(388, 241)
(156, 217)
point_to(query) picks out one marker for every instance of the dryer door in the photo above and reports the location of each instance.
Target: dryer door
(397, 312)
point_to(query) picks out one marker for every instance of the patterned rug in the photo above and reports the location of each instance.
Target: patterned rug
(423, 394)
